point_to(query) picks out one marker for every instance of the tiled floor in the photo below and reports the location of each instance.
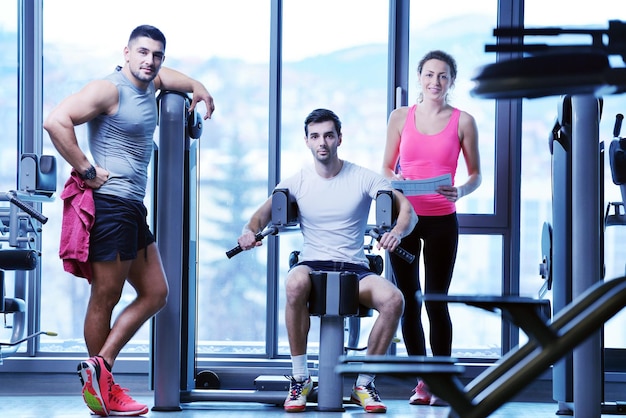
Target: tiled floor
(73, 407)
(50, 396)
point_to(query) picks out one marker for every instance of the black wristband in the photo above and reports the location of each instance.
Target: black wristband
(89, 174)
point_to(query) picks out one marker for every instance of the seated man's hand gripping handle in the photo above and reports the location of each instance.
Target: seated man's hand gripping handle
(399, 251)
(270, 230)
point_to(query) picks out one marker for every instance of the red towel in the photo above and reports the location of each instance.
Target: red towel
(79, 213)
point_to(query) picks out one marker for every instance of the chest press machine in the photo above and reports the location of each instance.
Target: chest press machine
(173, 370)
(334, 295)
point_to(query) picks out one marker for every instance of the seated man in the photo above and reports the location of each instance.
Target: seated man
(334, 198)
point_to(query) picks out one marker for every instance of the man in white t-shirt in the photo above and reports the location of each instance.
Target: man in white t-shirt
(334, 198)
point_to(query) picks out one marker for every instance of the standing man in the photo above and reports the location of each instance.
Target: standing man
(334, 198)
(121, 112)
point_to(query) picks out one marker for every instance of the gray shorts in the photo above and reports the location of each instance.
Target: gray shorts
(120, 228)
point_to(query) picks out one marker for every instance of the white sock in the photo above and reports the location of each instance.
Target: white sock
(299, 367)
(364, 379)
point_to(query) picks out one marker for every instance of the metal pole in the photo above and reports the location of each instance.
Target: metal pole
(586, 256)
(330, 384)
(169, 233)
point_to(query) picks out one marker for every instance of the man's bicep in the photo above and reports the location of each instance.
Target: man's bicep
(96, 98)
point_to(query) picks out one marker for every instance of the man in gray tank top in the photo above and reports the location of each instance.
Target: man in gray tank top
(121, 113)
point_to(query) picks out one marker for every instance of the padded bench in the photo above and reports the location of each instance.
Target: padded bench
(334, 296)
(530, 314)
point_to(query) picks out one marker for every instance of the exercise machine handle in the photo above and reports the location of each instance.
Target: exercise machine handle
(270, 230)
(618, 125)
(11, 197)
(399, 251)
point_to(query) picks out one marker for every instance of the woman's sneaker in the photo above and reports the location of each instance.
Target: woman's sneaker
(367, 396)
(298, 391)
(421, 394)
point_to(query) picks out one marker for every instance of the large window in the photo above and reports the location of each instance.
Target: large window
(337, 62)
(8, 119)
(229, 53)
(331, 57)
(8, 92)
(346, 72)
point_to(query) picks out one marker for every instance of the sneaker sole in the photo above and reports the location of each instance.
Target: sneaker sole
(372, 410)
(295, 409)
(89, 379)
(376, 410)
(128, 413)
(308, 388)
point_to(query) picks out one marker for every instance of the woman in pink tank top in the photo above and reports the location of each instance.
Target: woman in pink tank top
(425, 141)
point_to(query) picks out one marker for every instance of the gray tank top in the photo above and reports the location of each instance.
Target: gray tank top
(122, 143)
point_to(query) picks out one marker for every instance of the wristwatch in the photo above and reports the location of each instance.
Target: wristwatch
(89, 174)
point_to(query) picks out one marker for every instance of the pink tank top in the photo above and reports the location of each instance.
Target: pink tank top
(424, 156)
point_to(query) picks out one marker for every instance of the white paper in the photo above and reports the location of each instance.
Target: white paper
(424, 186)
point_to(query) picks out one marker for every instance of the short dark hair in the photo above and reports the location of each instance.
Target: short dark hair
(148, 32)
(322, 115)
(441, 56)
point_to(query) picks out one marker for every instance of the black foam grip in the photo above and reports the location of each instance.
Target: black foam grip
(618, 125)
(399, 251)
(404, 254)
(28, 209)
(18, 259)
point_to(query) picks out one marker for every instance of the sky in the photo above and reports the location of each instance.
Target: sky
(310, 27)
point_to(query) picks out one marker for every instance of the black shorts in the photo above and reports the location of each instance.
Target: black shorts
(120, 228)
(359, 270)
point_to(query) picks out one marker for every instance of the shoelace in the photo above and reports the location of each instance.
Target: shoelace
(296, 388)
(373, 392)
(120, 394)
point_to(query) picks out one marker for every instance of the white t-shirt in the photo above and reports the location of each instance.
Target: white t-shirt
(333, 212)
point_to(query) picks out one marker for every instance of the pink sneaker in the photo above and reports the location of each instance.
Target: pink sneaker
(421, 395)
(97, 381)
(121, 404)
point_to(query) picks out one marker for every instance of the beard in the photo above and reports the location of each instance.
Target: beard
(145, 78)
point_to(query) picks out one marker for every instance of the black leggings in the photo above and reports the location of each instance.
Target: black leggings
(440, 235)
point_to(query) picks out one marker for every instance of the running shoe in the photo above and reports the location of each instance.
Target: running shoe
(97, 381)
(121, 404)
(298, 391)
(367, 396)
(421, 395)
